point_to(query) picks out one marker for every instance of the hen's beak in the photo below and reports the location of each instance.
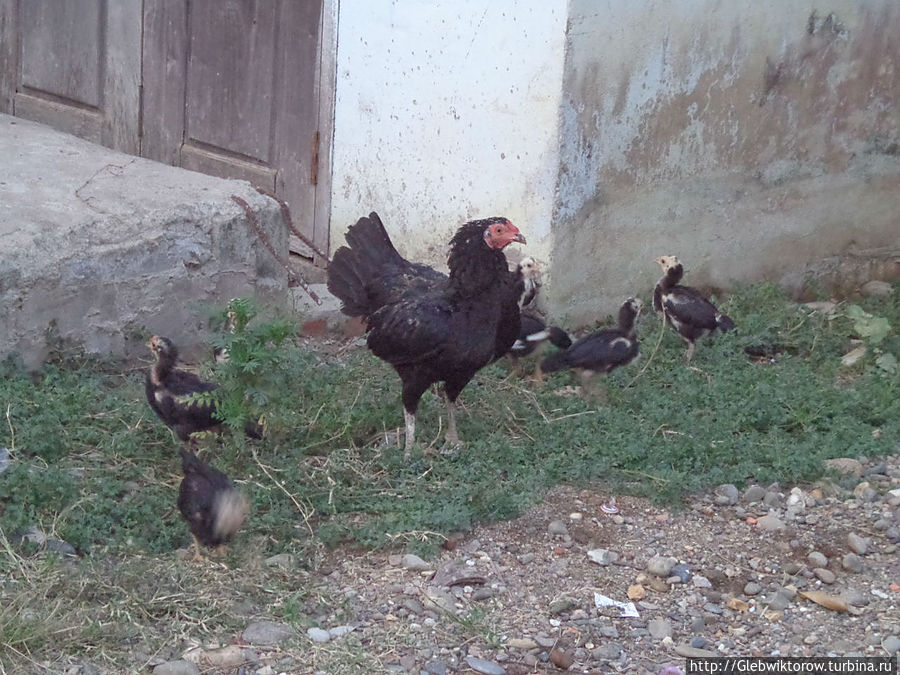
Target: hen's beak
(520, 238)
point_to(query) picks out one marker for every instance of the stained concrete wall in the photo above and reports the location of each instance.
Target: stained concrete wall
(445, 112)
(755, 140)
(111, 248)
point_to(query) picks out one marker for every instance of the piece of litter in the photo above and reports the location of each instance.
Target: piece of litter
(628, 608)
(610, 507)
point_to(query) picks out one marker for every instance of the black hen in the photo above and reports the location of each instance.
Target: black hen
(603, 351)
(428, 326)
(167, 389)
(684, 308)
(213, 509)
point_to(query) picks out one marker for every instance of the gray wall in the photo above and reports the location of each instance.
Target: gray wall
(755, 140)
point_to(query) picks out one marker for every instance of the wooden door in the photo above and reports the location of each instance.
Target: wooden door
(230, 89)
(74, 65)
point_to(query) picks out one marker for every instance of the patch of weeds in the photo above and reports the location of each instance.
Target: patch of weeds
(668, 428)
(477, 624)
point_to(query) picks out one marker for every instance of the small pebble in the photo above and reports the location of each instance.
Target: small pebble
(318, 634)
(752, 588)
(413, 562)
(659, 628)
(727, 495)
(770, 523)
(817, 559)
(698, 642)
(824, 575)
(660, 565)
(891, 645)
(682, 571)
(754, 493)
(485, 667)
(557, 528)
(857, 544)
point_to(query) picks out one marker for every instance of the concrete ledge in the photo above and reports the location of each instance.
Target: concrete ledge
(107, 247)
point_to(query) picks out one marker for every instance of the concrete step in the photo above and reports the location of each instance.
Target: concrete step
(99, 249)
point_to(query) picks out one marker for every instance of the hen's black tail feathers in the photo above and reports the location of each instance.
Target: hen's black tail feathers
(368, 250)
(554, 362)
(559, 338)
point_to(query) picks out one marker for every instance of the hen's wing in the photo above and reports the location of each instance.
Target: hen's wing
(410, 331)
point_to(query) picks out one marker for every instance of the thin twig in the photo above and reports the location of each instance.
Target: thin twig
(12, 554)
(584, 412)
(12, 431)
(293, 275)
(286, 215)
(304, 512)
(652, 354)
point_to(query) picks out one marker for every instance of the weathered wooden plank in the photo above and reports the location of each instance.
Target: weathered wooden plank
(214, 163)
(230, 85)
(80, 68)
(62, 50)
(9, 61)
(164, 70)
(81, 122)
(295, 142)
(122, 76)
(326, 76)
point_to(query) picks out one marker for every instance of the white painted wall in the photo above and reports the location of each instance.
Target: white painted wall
(447, 111)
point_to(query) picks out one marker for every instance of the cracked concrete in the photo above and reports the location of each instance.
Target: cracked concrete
(101, 249)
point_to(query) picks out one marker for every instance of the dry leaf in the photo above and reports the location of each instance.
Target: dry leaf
(636, 592)
(772, 615)
(895, 587)
(827, 600)
(738, 605)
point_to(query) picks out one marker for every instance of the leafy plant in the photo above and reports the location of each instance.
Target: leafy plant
(248, 375)
(873, 330)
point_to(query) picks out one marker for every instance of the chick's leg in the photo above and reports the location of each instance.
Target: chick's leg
(690, 352)
(198, 557)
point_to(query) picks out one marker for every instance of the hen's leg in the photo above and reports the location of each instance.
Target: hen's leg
(451, 391)
(690, 352)
(452, 437)
(412, 392)
(410, 419)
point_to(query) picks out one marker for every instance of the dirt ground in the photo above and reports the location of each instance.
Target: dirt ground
(760, 571)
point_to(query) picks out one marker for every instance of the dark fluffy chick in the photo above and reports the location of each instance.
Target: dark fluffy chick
(213, 508)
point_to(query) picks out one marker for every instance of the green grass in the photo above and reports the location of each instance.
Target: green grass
(93, 466)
